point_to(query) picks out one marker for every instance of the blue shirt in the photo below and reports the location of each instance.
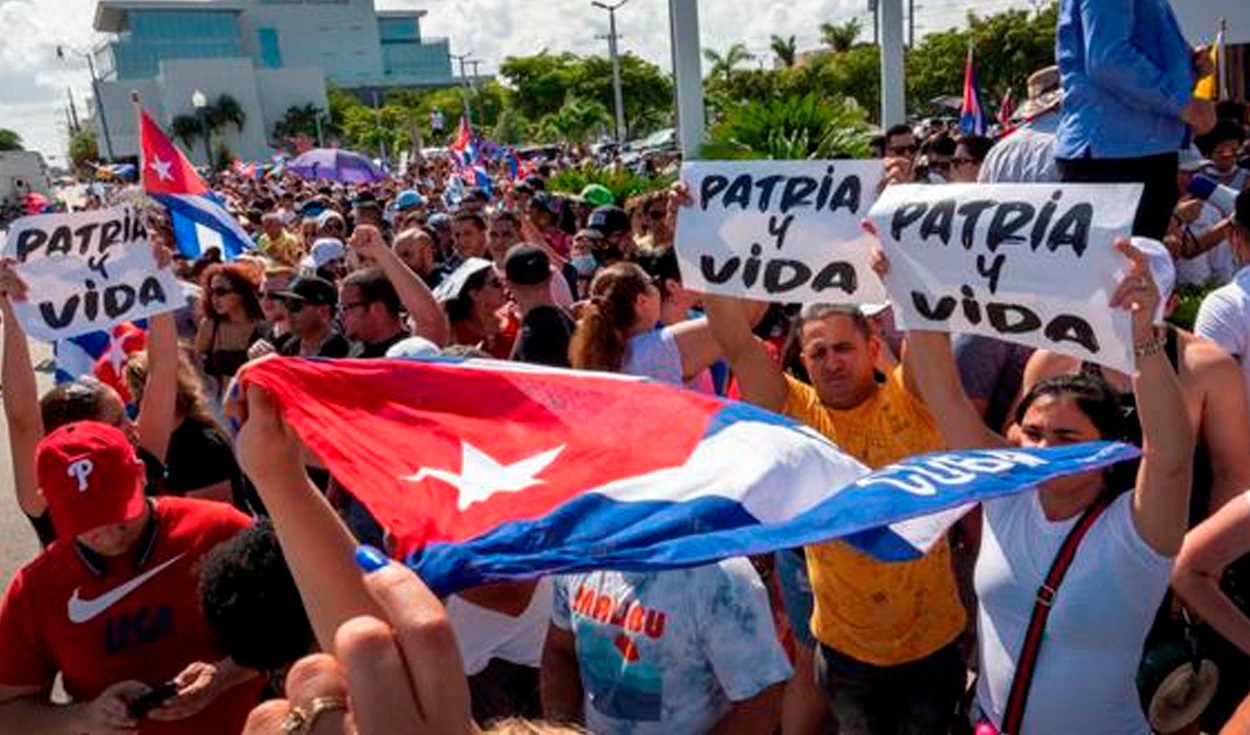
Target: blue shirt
(1127, 74)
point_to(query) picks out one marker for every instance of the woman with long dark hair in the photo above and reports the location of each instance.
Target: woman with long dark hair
(617, 331)
(233, 320)
(1100, 613)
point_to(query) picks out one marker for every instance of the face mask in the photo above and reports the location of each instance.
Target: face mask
(585, 264)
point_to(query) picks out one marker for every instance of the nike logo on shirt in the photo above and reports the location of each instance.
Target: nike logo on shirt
(80, 610)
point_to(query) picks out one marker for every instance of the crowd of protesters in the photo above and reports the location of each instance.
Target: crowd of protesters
(205, 574)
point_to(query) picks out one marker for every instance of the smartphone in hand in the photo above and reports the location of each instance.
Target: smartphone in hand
(153, 699)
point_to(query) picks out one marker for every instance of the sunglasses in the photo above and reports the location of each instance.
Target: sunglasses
(904, 150)
(295, 306)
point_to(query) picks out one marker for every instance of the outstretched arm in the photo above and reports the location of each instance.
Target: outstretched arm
(413, 293)
(759, 378)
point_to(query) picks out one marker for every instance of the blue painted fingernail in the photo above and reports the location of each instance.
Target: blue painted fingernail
(370, 559)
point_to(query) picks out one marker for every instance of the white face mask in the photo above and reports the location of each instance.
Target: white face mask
(936, 178)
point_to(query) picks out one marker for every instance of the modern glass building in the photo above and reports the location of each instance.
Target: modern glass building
(269, 55)
(355, 45)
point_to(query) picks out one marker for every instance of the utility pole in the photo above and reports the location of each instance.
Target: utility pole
(462, 58)
(74, 126)
(911, 24)
(616, 66)
(377, 112)
(95, 90)
(876, 22)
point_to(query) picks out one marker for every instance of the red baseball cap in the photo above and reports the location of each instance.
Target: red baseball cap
(91, 477)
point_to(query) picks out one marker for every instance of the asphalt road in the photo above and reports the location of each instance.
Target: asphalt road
(18, 544)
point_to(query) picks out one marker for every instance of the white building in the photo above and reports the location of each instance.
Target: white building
(269, 55)
(22, 172)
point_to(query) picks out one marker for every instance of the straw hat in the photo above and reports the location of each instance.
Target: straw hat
(1045, 93)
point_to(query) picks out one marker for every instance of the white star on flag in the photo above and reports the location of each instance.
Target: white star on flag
(481, 476)
(162, 169)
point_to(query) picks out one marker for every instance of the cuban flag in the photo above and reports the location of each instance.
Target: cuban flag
(513, 162)
(99, 355)
(972, 119)
(464, 146)
(198, 218)
(486, 471)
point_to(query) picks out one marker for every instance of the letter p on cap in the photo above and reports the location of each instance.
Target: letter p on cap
(81, 469)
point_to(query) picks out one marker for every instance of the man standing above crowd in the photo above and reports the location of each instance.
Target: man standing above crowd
(887, 633)
(1128, 79)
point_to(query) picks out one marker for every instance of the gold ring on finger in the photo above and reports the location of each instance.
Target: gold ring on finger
(300, 720)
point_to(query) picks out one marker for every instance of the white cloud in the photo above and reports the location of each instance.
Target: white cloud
(33, 80)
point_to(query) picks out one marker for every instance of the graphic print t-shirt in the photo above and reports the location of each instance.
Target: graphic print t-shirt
(669, 652)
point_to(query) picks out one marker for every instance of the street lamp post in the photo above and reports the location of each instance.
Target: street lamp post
(463, 59)
(616, 66)
(200, 103)
(95, 90)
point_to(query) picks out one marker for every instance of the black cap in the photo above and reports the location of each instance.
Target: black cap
(609, 220)
(1241, 210)
(366, 199)
(312, 290)
(527, 265)
(476, 193)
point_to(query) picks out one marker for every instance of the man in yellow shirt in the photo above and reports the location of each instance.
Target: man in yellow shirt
(886, 633)
(278, 243)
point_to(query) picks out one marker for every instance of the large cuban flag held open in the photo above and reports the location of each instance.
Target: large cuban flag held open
(486, 471)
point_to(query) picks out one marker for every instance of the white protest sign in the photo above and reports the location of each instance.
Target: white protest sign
(785, 231)
(87, 271)
(1032, 264)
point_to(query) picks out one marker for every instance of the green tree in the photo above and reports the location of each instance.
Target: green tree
(83, 148)
(10, 140)
(840, 36)
(785, 49)
(300, 120)
(540, 85)
(511, 127)
(223, 112)
(575, 122)
(1010, 46)
(723, 65)
(187, 129)
(806, 127)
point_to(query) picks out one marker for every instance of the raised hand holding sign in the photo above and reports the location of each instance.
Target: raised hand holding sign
(88, 271)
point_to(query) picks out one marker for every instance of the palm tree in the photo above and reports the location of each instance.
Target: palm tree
(225, 111)
(187, 129)
(786, 50)
(10, 140)
(723, 65)
(840, 36)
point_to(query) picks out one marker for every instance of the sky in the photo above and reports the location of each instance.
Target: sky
(34, 82)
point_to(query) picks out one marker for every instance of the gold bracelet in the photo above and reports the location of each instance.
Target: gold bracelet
(1152, 346)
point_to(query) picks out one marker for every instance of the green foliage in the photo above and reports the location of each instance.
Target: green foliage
(722, 66)
(623, 183)
(511, 128)
(786, 50)
(10, 140)
(542, 84)
(1009, 47)
(840, 36)
(577, 121)
(300, 120)
(1189, 298)
(83, 147)
(187, 129)
(807, 127)
(225, 111)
